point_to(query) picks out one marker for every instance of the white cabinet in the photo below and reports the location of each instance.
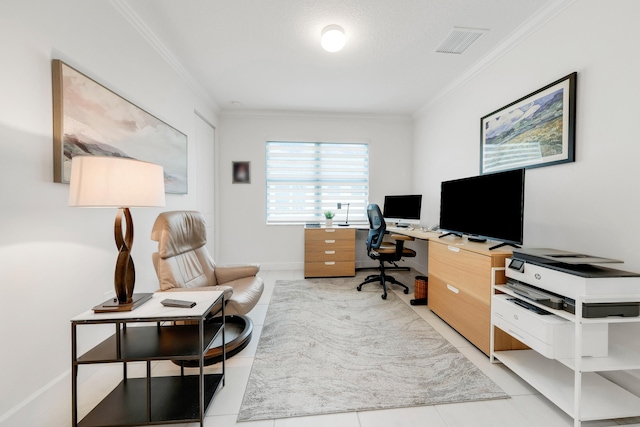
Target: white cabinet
(568, 351)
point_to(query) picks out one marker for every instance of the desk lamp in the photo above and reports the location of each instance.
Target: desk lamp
(116, 182)
(346, 222)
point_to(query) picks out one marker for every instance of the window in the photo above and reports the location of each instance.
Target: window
(305, 179)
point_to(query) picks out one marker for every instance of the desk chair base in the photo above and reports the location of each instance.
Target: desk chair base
(383, 279)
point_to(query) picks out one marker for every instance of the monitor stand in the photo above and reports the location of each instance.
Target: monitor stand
(450, 234)
(402, 225)
(344, 224)
(503, 244)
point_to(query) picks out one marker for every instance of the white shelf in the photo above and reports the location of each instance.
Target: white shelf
(601, 399)
(572, 317)
(619, 359)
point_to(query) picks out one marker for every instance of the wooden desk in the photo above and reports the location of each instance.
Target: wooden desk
(459, 289)
(459, 273)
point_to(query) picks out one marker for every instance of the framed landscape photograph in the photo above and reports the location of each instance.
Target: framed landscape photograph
(536, 130)
(89, 119)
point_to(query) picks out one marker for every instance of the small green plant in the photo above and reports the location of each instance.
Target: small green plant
(329, 215)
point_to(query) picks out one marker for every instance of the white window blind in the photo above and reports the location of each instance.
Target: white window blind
(305, 179)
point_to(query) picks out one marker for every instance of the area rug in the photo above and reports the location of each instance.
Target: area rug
(326, 348)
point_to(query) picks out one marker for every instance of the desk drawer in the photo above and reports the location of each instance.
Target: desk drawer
(329, 245)
(464, 312)
(329, 233)
(463, 269)
(330, 255)
(329, 269)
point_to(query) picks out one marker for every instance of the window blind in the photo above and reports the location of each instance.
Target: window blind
(305, 179)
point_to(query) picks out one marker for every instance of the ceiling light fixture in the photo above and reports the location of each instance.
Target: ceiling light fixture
(332, 38)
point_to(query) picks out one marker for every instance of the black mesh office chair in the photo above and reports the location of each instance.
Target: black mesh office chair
(384, 251)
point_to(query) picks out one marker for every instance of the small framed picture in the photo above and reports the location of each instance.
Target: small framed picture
(242, 172)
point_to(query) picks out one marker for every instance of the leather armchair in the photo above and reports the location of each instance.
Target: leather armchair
(183, 263)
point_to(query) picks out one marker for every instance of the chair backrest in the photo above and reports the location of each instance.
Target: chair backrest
(182, 260)
(377, 227)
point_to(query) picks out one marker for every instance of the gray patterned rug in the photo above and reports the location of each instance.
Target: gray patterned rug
(326, 348)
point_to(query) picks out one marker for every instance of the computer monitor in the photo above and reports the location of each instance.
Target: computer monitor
(403, 210)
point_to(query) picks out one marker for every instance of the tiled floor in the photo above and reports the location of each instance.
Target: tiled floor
(526, 408)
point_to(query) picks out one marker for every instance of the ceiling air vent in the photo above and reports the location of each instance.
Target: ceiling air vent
(459, 40)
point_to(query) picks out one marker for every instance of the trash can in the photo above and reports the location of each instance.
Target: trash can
(420, 287)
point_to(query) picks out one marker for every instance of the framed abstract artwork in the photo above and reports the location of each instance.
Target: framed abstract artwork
(89, 119)
(536, 130)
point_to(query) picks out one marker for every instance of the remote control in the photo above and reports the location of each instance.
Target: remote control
(177, 303)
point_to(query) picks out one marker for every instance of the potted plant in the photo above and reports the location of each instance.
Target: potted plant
(328, 218)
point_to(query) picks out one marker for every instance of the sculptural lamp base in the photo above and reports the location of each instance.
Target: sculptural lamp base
(117, 182)
(125, 275)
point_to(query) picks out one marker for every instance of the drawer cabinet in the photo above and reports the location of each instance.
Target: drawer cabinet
(329, 252)
(460, 289)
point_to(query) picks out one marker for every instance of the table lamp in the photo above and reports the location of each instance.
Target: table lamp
(346, 223)
(117, 182)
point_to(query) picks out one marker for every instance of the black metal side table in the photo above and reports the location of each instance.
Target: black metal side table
(147, 334)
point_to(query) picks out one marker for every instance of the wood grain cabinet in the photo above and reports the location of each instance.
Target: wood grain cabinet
(460, 289)
(329, 252)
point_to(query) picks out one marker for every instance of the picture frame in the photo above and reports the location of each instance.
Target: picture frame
(241, 172)
(90, 119)
(534, 131)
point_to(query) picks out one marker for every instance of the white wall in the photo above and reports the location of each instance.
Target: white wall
(242, 207)
(59, 261)
(592, 205)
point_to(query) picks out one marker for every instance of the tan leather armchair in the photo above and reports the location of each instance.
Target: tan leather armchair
(183, 263)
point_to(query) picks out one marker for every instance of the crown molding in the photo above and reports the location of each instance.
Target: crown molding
(314, 115)
(125, 9)
(529, 27)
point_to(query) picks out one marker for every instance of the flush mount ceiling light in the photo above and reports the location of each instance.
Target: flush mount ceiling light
(332, 38)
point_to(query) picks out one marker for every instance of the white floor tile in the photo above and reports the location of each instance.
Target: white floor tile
(258, 313)
(230, 421)
(406, 417)
(494, 413)
(547, 414)
(512, 384)
(349, 419)
(229, 399)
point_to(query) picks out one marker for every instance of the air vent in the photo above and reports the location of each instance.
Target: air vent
(459, 40)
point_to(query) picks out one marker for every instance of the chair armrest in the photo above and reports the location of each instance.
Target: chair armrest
(226, 274)
(402, 237)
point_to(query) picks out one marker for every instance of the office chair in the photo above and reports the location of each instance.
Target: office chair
(384, 251)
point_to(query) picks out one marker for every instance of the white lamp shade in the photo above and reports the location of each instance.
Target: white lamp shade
(332, 38)
(115, 182)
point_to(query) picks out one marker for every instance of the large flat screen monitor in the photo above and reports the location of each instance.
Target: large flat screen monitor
(403, 210)
(487, 206)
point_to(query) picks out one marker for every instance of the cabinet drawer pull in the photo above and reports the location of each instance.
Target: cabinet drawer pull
(330, 252)
(453, 249)
(329, 263)
(329, 241)
(452, 288)
(329, 230)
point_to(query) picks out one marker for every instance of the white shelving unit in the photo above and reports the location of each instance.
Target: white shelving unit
(574, 383)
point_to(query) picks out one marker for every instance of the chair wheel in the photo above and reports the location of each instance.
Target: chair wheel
(359, 288)
(406, 291)
(384, 296)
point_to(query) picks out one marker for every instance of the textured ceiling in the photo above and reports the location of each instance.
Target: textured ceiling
(266, 54)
